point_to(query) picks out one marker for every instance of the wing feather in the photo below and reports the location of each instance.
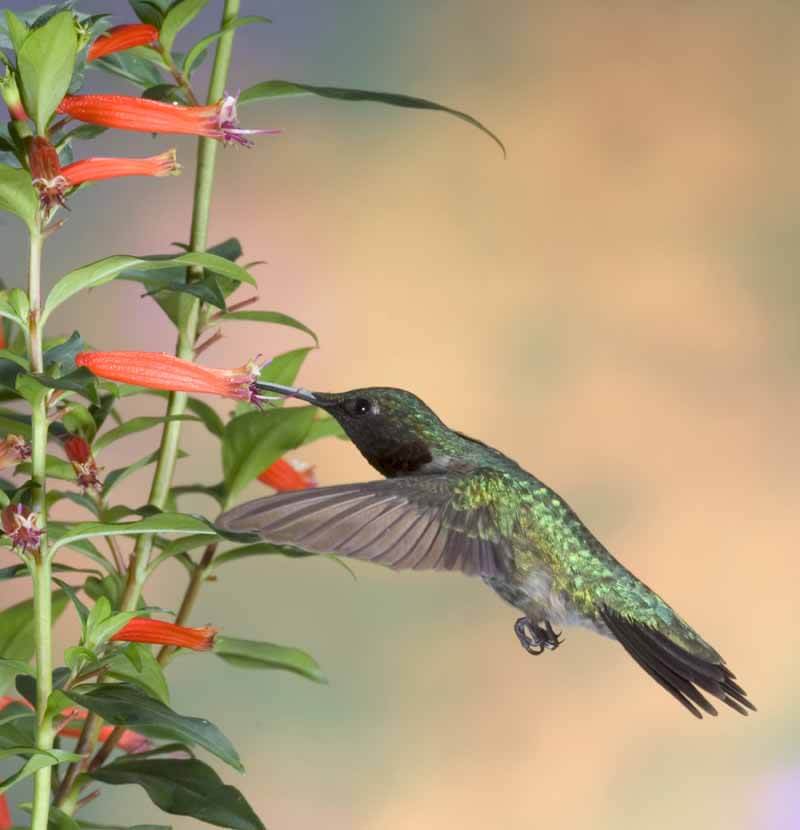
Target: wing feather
(405, 523)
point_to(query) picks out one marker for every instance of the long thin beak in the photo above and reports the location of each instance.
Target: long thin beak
(289, 392)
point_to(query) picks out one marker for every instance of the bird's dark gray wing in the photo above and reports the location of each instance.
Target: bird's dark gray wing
(413, 522)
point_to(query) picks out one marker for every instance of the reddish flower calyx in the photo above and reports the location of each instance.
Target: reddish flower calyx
(14, 449)
(19, 524)
(122, 112)
(160, 632)
(119, 38)
(80, 455)
(46, 174)
(156, 370)
(288, 474)
(99, 168)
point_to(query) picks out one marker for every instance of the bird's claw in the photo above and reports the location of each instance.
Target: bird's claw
(536, 638)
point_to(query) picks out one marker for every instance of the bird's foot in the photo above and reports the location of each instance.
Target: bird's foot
(535, 638)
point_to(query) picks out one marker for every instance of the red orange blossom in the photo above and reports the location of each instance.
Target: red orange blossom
(156, 370)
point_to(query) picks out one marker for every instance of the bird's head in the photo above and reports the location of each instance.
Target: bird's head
(395, 431)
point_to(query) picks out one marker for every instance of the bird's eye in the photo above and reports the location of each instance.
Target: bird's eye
(361, 406)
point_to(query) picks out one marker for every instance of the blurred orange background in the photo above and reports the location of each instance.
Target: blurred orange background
(616, 306)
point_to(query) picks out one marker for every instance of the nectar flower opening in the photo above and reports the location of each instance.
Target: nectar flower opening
(144, 115)
(156, 370)
(100, 168)
(160, 632)
(80, 455)
(19, 524)
(46, 174)
(120, 38)
(288, 474)
(14, 449)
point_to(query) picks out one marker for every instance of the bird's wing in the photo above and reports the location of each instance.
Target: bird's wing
(419, 522)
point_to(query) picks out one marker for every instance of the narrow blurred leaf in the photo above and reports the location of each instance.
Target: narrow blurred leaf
(279, 89)
(258, 549)
(16, 627)
(207, 415)
(255, 440)
(178, 17)
(83, 611)
(105, 270)
(269, 317)
(120, 474)
(17, 195)
(81, 381)
(45, 63)
(9, 669)
(162, 523)
(17, 30)
(126, 705)
(196, 52)
(6, 309)
(249, 654)
(135, 425)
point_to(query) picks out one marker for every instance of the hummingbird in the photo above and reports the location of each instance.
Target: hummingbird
(451, 502)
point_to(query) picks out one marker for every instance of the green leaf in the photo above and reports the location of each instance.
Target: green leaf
(258, 549)
(17, 196)
(184, 787)
(17, 30)
(105, 270)
(213, 423)
(16, 627)
(81, 381)
(269, 317)
(150, 11)
(72, 593)
(45, 63)
(325, 427)
(249, 654)
(125, 705)
(283, 368)
(279, 89)
(195, 53)
(255, 440)
(6, 308)
(178, 17)
(148, 675)
(135, 425)
(181, 545)
(56, 468)
(39, 760)
(162, 523)
(131, 65)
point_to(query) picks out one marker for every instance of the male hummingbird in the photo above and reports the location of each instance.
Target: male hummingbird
(451, 502)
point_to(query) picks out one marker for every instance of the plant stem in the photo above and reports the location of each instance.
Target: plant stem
(188, 331)
(40, 566)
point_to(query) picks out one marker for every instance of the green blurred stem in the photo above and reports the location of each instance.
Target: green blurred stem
(40, 562)
(188, 331)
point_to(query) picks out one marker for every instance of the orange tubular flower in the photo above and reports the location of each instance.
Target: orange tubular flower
(142, 115)
(97, 169)
(119, 38)
(156, 370)
(5, 814)
(159, 632)
(286, 475)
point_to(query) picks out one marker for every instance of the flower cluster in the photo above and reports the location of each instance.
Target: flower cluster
(218, 121)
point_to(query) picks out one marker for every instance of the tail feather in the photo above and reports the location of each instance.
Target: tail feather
(677, 670)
